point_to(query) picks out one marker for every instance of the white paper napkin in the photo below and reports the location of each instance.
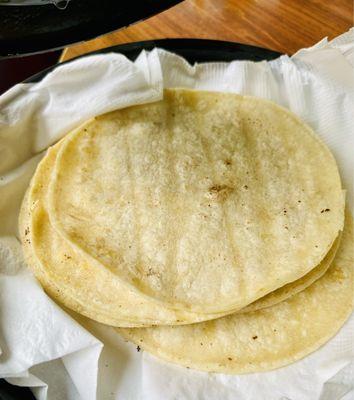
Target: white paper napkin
(41, 345)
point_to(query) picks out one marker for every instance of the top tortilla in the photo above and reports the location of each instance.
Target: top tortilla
(203, 201)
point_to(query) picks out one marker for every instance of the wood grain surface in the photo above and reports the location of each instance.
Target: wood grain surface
(282, 25)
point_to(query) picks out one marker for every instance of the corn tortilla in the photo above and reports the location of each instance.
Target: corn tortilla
(203, 201)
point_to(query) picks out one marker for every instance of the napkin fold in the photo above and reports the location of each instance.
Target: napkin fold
(62, 356)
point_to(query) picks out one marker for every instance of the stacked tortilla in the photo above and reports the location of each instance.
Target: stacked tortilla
(216, 212)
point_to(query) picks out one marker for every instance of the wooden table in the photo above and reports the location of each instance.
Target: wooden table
(282, 25)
